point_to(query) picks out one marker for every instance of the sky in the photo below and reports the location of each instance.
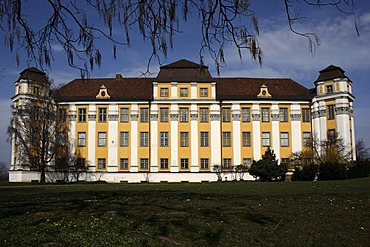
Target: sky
(285, 55)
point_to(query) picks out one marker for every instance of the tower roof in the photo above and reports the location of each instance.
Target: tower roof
(33, 74)
(184, 71)
(331, 72)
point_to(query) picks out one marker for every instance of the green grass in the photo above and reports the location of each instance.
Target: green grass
(325, 213)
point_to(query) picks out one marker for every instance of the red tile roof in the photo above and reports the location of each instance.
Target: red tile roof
(122, 89)
(133, 89)
(249, 88)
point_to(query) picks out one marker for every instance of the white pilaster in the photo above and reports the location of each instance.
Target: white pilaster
(194, 136)
(112, 138)
(91, 137)
(343, 121)
(135, 137)
(155, 90)
(315, 120)
(213, 93)
(215, 135)
(256, 125)
(295, 115)
(72, 128)
(353, 133)
(154, 138)
(174, 115)
(275, 135)
(193, 90)
(174, 90)
(322, 115)
(235, 108)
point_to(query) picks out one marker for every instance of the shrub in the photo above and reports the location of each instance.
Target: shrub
(361, 169)
(305, 172)
(268, 170)
(332, 171)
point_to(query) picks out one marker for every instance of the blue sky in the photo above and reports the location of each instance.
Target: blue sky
(285, 55)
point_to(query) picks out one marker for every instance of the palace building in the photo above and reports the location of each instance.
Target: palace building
(177, 126)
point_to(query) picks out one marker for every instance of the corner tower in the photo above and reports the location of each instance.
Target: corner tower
(332, 107)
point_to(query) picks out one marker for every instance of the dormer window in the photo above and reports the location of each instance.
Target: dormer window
(164, 92)
(103, 93)
(264, 93)
(329, 89)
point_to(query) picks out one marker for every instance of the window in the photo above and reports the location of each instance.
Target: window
(81, 162)
(144, 163)
(164, 92)
(306, 116)
(81, 139)
(184, 114)
(163, 112)
(226, 163)
(247, 162)
(184, 139)
(123, 164)
(246, 114)
(204, 139)
(265, 139)
(164, 139)
(164, 163)
(124, 139)
(183, 92)
(306, 139)
(82, 115)
(329, 89)
(283, 114)
(144, 139)
(62, 139)
(265, 114)
(330, 112)
(204, 163)
(62, 114)
(102, 114)
(284, 139)
(124, 115)
(246, 139)
(203, 115)
(226, 139)
(331, 136)
(225, 114)
(184, 163)
(285, 160)
(203, 92)
(101, 163)
(102, 139)
(144, 115)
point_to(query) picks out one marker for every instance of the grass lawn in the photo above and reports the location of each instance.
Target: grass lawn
(325, 213)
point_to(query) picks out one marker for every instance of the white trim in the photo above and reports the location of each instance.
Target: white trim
(194, 139)
(174, 139)
(91, 137)
(256, 127)
(135, 139)
(215, 136)
(112, 143)
(174, 90)
(153, 139)
(235, 109)
(275, 135)
(193, 90)
(296, 135)
(72, 129)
